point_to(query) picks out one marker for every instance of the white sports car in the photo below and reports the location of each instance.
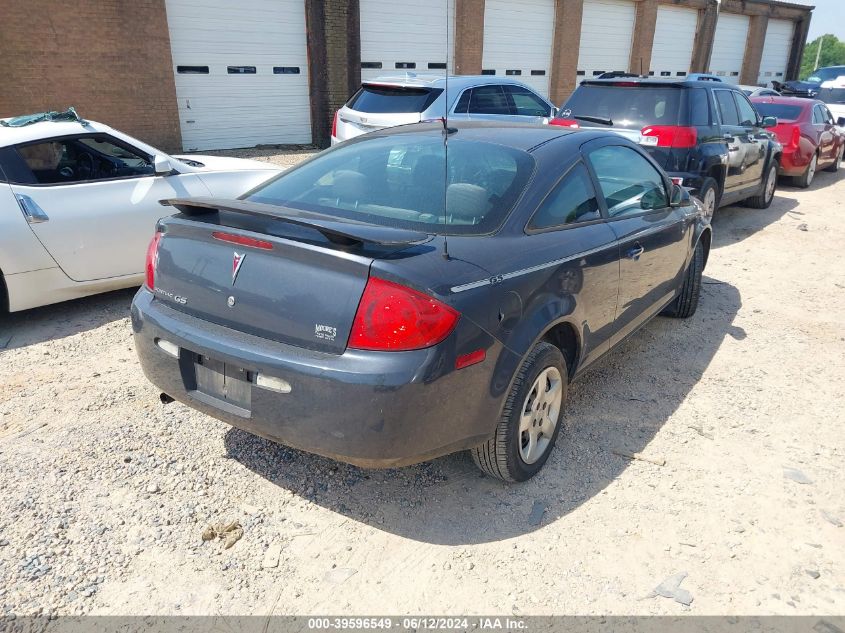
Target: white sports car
(79, 202)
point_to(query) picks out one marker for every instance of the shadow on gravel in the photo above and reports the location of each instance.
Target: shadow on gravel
(60, 320)
(735, 223)
(619, 406)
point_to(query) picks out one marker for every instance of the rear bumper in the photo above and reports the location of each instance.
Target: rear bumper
(792, 162)
(371, 409)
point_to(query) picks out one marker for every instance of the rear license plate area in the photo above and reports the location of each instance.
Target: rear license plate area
(225, 382)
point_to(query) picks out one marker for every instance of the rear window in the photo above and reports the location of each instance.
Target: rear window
(782, 112)
(406, 181)
(628, 106)
(379, 99)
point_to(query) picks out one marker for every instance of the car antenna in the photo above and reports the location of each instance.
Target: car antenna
(445, 120)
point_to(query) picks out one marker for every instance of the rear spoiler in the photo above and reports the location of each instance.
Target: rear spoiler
(334, 229)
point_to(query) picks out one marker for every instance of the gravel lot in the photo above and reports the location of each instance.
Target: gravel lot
(107, 492)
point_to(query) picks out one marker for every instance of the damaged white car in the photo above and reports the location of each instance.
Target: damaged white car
(79, 201)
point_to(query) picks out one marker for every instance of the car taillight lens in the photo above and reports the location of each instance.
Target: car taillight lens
(334, 123)
(672, 135)
(565, 123)
(796, 136)
(392, 317)
(152, 261)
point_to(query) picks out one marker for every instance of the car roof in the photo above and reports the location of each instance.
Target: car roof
(439, 81)
(793, 101)
(677, 82)
(519, 136)
(48, 129)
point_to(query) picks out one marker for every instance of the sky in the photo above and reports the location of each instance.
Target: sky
(828, 17)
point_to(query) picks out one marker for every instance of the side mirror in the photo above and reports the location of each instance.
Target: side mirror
(554, 112)
(680, 197)
(840, 121)
(770, 121)
(161, 165)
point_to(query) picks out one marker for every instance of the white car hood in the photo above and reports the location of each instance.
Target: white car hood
(226, 163)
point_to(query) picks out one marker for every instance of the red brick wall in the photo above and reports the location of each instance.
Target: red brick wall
(108, 58)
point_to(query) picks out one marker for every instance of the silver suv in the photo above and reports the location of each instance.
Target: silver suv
(410, 98)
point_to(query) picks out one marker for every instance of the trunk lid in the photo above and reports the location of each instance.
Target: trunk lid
(234, 268)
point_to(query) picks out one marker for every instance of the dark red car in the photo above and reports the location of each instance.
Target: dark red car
(810, 137)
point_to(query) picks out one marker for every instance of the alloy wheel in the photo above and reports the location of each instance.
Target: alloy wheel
(811, 170)
(709, 203)
(540, 413)
(771, 183)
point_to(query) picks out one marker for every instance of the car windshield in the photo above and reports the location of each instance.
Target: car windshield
(402, 181)
(382, 99)
(627, 106)
(826, 74)
(782, 112)
(832, 95)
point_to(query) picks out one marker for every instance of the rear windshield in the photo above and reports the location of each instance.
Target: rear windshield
(782, 112)
(378, 99)
(406, 181)
(832, 95)
(628, 107)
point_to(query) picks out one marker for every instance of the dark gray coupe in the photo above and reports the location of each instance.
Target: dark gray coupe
(418, 291)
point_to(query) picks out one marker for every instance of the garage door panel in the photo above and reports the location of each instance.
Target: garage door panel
(607, 29)
(776, 49)
(403, 31)
(729, 46)
(674, 36)
(221, 110)
(519, 37)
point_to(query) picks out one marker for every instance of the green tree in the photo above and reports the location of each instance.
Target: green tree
(832, 54)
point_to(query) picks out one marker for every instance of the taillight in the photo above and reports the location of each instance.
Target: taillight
(334, 123)
(392, 317)
(796, 136)
(152, 261)
(565, 123)
(242, 240)
(672, 135)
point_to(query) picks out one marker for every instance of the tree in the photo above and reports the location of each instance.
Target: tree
(832, 54)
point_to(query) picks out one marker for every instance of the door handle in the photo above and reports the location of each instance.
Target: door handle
(31, 211)
(635, 252)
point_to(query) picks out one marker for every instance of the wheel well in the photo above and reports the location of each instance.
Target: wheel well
(705, 241)
(565, 338)
(4, 294)
(718, 174)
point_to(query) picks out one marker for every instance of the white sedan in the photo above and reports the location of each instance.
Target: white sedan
(79, 202)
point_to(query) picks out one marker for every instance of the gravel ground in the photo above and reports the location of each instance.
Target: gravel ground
(107, 492)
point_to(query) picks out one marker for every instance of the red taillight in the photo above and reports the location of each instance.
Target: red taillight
(392, 317)
(334, 123)
(796, 136)
(152, 261)
(242, 240)
(672, 135)
(565, 123)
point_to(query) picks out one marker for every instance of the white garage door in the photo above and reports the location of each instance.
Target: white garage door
(776, 48)
(674, 35)
(729, 46)
(406, 35)
(241, 72)
(518, 40)
(607, 28)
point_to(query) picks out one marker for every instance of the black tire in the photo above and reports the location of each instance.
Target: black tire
(806, 179)
(685, 304)
(834, 167)
(767, 190)
(500, 455)
(708, 185)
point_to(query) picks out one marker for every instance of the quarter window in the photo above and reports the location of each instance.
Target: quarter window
(818, 115)
(572, 200)
(82, 159)
(630, 184)
(727, 107)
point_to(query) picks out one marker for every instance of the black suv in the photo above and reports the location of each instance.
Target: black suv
(704, 132)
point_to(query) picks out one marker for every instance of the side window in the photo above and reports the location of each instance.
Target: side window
(572, 200)
(83, 159)
(727, 107)
(829, 115)
(818, 116)
(630, 184)
(526, 103)
(463, 103)
(747, 114)
(699, 107)
(489, 100)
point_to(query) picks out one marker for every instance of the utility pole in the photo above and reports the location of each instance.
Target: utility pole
(818, 52)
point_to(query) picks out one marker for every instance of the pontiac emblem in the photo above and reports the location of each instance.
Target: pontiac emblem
(237, 260)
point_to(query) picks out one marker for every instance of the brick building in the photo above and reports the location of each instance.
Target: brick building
(204, 74)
